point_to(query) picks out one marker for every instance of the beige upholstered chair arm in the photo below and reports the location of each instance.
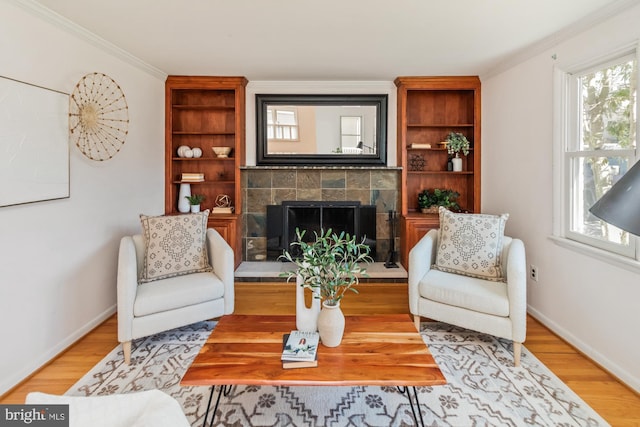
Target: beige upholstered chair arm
(421, 258)
(517, 289)
(222, 260)
(127, 283)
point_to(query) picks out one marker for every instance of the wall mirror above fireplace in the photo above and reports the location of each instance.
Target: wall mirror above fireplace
(321, 129)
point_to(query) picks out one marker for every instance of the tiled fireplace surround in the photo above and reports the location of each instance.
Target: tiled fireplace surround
(262, 186)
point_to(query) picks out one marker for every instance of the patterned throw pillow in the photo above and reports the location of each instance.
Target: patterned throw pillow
(471, 244)
(174, 245)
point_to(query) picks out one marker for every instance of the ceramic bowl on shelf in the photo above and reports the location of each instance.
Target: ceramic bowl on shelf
(222, 151)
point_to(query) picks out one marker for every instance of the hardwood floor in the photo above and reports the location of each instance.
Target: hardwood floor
(615, 402)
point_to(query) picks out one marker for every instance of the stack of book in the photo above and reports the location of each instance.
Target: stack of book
(192, 177)
(222, 210)
(300, 350)
(420, 145)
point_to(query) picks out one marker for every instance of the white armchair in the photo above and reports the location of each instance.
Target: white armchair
(148, 308)
(495, 308)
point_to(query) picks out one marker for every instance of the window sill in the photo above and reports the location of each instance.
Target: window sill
(602, 255)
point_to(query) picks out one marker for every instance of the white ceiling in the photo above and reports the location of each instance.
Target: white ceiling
(331, 39)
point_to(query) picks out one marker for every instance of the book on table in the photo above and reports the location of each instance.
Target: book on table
(300, 349)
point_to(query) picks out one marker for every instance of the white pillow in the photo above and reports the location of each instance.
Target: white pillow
(174, 245)
(471, 244)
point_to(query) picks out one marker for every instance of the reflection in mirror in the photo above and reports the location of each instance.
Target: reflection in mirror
(351, 134)
(302, 129)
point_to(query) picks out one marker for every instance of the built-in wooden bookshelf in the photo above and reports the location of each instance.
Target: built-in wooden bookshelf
(429, 108)
(206, 112)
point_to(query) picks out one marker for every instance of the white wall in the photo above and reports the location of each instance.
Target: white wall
(590, 302)
(58, 258)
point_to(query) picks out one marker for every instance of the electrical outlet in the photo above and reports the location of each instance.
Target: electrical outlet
(533, 273)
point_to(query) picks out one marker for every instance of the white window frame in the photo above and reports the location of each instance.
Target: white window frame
(279, 128)
(565, 136)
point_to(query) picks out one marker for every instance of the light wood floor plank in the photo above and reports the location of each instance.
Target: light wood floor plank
(615, 402)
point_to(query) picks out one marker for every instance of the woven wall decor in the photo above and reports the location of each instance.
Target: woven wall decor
(98, 117)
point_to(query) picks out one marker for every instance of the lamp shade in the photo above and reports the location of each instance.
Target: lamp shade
(620, 206)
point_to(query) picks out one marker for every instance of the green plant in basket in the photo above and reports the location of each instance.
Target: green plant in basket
(329, 265)
(438, 197)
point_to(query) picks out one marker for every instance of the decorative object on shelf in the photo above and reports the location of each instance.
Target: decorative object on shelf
(222, 152)
(182, 149)
(192, 177)
(430, 201)
(420, 145)
(188, 153)
(306, 317)
(330, 265)
(223, 204)
(450, 164)
(194, 201)
(183, 202)
(197, 152)
(457, 142)
(98, 117)
(223, 201)
(416, 162)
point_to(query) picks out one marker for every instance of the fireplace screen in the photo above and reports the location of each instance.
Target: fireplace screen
(350, 217)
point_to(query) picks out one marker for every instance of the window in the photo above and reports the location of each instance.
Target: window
(282, 124)
(596, 145)
(351, 131)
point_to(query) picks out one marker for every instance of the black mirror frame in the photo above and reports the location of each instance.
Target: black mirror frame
(263, 158)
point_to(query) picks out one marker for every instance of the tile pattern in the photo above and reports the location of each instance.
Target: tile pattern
(271, 186)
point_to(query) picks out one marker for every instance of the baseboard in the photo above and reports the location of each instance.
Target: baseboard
(7, 384)
(605, 363)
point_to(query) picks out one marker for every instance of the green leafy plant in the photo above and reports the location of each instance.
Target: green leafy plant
(329, 265)
(457, 142)
(438, 197)
(195, 199)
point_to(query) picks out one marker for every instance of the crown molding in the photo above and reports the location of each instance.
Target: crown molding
(587, 22)
(321, 86)
(71, 27)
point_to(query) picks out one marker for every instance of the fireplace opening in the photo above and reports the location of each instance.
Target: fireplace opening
(316, 216)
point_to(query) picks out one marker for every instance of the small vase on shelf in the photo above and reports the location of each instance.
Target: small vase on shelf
(195, 208)
(183, 203)
(457, 163)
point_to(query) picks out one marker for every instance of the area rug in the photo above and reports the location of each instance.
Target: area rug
(483, 388)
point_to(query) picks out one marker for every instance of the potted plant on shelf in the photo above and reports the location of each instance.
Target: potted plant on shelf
(430, 201)
(194, 201)
(329, 265)
(457, 142)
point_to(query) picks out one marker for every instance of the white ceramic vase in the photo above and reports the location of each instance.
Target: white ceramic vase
(331, 325)
(183, 202)
(457, 164)
(195, 208)
(306, 317)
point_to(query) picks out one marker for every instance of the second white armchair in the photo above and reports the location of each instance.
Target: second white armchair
(493, 307)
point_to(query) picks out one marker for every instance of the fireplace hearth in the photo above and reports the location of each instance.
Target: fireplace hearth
(316, 216)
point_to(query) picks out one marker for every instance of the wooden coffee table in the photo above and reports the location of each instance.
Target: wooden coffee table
(384, 350)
